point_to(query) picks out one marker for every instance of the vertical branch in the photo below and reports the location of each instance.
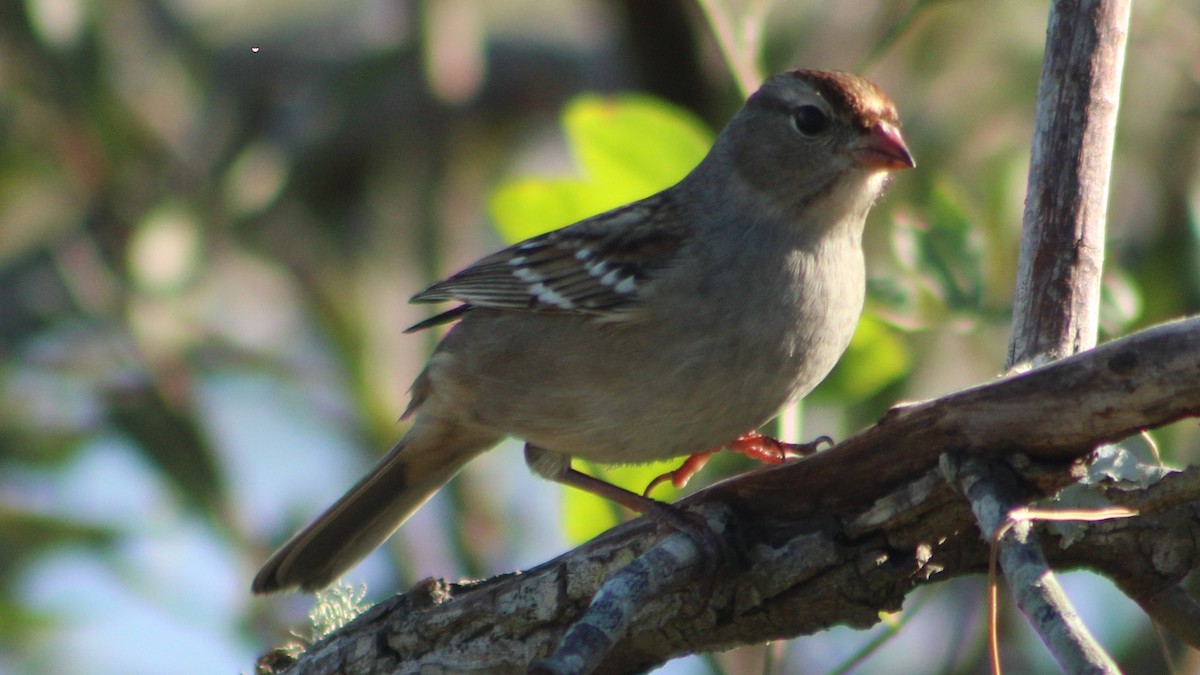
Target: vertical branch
(1056, 307)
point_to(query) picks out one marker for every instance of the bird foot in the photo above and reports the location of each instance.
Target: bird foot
(752, 444)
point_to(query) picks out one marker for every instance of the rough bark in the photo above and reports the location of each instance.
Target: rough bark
(1056, 307)
(839, 537)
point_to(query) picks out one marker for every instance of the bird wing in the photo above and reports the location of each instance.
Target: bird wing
(596, 266)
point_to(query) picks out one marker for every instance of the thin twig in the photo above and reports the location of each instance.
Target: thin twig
(1023, 514)
(738, 44)
(988, 487)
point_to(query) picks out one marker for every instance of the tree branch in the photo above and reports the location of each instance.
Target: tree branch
(1056, 307)
(1057, 302)
(838, 537)
(988, 486)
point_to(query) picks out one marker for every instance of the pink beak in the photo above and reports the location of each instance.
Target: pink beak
(883, 149)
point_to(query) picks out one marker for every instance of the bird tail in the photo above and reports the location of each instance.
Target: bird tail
(417, 467)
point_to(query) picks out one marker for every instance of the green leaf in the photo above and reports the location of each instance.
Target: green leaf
(530, 206)
(633, 146)
(627, 147)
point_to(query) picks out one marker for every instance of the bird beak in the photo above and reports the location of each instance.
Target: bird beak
(883, 149)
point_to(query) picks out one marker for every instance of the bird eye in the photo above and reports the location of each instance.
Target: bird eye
(809, 120)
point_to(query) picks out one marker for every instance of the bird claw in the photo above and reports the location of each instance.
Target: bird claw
(774, 451)
(752, 444)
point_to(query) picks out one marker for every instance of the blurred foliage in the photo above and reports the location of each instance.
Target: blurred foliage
(939, 271)
(627, 147)
(211, 214)
(876, 358)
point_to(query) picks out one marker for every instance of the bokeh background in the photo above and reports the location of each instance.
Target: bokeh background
(212, 214)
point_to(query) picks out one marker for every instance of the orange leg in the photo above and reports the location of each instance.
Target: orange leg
(752, 444)
(679, 477)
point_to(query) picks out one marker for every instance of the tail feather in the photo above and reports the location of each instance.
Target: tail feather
(416, 468)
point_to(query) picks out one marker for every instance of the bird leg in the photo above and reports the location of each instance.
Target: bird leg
(752, 444)
(556, 467)
(680, 477)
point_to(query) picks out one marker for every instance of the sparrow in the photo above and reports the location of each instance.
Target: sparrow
(669, 327)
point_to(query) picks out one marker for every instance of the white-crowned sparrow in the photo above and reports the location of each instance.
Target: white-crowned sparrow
(663, 328)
